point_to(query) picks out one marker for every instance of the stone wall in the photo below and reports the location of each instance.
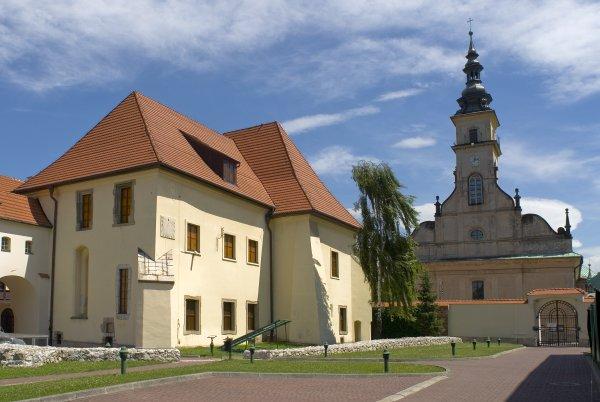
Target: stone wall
(26, 355)
(362, 346)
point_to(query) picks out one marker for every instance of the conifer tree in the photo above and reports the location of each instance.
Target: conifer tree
(427, 312)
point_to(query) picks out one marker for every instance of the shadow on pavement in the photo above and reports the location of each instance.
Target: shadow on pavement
(559, 378)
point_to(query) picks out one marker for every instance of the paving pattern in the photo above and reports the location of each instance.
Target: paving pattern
(531, 374)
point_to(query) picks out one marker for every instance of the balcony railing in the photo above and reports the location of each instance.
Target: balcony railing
(159, 270)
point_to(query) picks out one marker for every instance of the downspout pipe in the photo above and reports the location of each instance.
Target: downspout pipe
(268, 217)
(53, 267)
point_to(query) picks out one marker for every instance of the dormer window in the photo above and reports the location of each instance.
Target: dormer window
(473, 137)
(229, 171)
(475, 190)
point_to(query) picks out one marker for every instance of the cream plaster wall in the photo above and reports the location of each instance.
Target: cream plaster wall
(207, 275)
(305, 291)
(110, 246)
(514, 321)
(26, 275)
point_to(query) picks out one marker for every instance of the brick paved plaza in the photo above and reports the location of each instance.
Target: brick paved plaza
(531, 374)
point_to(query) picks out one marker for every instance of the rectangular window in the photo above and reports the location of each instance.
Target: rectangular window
(5, 244)
(229, 246)
(192, 315)
(123, 290)
(193, 238)
(473, 135)
(252, 251)
(84, 210)
(478, 290)
(228, 316)
(229, 171)
(28, 247)
(124, 203)
(335, 264)
(251, 316)
(343, 320)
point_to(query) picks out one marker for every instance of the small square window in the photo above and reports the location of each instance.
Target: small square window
(192, 315)
(28, 247)
(478, 290)
(343, 320)
(335, 265)
(229, 246)
(84, 210)
(229, 317)
(252, 316)
(123, 209)
(5, 244)
(252, 251)
(193, 238)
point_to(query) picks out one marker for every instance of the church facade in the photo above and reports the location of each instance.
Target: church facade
(481, 250)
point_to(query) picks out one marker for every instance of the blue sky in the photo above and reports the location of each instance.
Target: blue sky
(350, 80)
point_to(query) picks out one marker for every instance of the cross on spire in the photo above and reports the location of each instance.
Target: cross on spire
(470, 20)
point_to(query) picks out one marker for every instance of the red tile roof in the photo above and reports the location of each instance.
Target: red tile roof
(447, 302)
(555, 291)
(140, 133)
(289, 179)
(19, 208)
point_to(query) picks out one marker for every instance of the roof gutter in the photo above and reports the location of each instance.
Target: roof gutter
(53, 267)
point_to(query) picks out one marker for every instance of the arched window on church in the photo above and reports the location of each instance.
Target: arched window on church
(473, 137)
(476, 234)
(475, 190)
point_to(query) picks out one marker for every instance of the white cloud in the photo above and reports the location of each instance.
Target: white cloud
(415, 142)
(46, 44)
(577, 243)
(552, 210)
(591, 255)
(401, 94)
(426, 212)
(306, 123)
(519, 158)
(336, 160)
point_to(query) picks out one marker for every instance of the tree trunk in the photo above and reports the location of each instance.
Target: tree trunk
(379, 315)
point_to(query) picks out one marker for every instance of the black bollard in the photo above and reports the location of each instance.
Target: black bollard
(252, 354)
(325, 345)
(453, 344)
(498, 341)
(386, 361)
(123, 355)
(212, 345)
(474, 344)
(488, 341)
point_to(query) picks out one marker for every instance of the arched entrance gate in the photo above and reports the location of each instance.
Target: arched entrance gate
(557, 324)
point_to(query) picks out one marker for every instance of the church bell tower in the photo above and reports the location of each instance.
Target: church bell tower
(476, 147)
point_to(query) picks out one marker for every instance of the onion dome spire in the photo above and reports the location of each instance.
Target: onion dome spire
(474, 97)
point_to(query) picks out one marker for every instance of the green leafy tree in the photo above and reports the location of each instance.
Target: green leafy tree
(383, 246)
(427, 313)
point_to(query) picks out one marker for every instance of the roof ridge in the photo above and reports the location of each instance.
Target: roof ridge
(80, 139)
(287, 155)
(280, 128)
(142, 115)
(227, 133)
(11, 178)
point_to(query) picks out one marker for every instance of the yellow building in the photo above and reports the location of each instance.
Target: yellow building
(167, 232)
(489, 263)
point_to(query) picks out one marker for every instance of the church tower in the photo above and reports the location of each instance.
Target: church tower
(476, 146)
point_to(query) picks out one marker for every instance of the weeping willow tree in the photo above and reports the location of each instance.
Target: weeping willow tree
(383, 246)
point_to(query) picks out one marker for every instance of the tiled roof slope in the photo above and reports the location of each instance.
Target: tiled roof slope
(289, 179)
(141, 132)
(19, 208)
(555, 291)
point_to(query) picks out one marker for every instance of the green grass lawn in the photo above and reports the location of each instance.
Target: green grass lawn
(67, 367)
(24, 391)
(464, 349)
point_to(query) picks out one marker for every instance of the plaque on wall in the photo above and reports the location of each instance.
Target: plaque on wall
(167, 227)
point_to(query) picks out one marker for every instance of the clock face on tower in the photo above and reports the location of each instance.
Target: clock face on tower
(474, 160)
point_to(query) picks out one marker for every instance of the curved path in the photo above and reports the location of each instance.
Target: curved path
(530, 374)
